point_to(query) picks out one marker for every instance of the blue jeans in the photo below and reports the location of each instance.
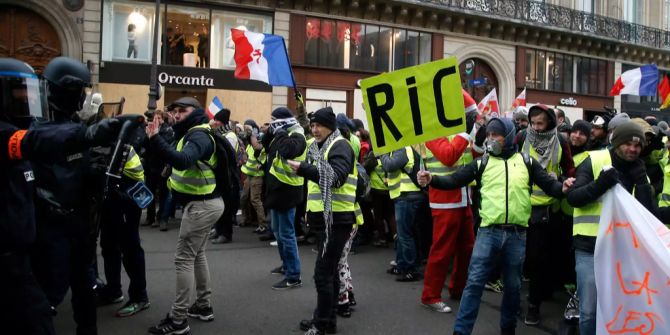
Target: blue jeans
(586, 292)
(284, 231)
(405, 214)
(493, 246)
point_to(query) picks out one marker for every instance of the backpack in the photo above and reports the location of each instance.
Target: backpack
(226, 172)
(415, 170)
(363, 185)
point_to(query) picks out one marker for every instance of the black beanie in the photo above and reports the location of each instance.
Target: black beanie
(252, 123)
(281, 113)
(626, 132)
(583, 126)
(325, 117)
(223, 115)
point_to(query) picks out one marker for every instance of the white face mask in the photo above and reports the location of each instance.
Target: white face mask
(493, 147)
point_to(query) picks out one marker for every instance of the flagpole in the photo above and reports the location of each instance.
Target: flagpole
(297, 94)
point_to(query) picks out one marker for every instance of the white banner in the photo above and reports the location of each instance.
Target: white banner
(632, 268)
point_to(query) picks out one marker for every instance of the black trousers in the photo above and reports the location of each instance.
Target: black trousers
(224, 226)
(326, 277)
(63, 258)
(542, 253)
(25, 309)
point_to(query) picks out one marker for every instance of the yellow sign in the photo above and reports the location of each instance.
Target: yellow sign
(414, 105)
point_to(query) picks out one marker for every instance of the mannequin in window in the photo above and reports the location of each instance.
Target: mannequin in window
(203, 48)
(132, 47)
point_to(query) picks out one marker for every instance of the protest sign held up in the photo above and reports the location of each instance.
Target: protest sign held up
(414, 105)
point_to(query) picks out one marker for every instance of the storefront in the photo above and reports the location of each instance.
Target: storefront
(577, 85)
(195, 55)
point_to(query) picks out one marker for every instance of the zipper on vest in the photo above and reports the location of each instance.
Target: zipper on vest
(506, 193)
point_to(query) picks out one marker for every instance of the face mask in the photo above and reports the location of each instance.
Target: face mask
(493, 147)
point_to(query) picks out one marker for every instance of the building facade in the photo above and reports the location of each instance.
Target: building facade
(566, 53)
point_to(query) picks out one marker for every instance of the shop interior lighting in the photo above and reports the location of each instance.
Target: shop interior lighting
(139, 20)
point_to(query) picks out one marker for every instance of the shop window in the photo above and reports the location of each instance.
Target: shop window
(317, 98)
(385, 53)
(186, 38)
(222, 51)
(127, 31)
(370, 47)
(400, 48)
(425, 50)
(540, 69)
(531, 73)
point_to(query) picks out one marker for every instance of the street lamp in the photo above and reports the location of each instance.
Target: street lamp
(153, 84)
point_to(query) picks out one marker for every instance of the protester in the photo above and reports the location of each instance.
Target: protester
(251, 200)
(224, 226)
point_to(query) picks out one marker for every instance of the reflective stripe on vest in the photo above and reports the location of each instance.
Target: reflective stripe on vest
(585, 219)
(283, 172)
(438, 169)
(133, 168)
(399, 181)
(254, 166)
(578, 159)
(359, 215)
(198, 179)
(342, 198)
(504, 192)
(538, 197)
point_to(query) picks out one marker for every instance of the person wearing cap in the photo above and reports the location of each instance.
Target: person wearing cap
(331, 195)
(542, 141)
(616, 121)
(193, 184)
(251, 200)
(621, 164)
(505, 177)
(223, 229)
(599, 132)
(520, 118)
(284, 141)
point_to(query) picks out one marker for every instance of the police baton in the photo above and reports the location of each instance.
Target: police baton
(130, 123)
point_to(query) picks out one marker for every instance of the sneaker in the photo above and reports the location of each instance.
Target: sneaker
(571, 312)
(201, 313)
(533, 315)
(163, 225)
(344, 311)
(278, 271)
(105, 298)
(314, 331)
(274, 243)
(221, 240)
(408, 276)
(439, 307)
(131, 308)
(168, 326)
(393, 270)
(331, 328)
(287, 284)
(393, 263)
(494, 286)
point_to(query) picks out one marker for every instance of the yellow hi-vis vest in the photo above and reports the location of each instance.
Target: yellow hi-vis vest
(578, 159)
(538, 197)
(283, 172)
(505, 194)
(585, 219)
(664, 198)
(133, 168)
(198, 179)
(378, 178)
(254, 166)
(436, 168)
(399, 181)
(359, 215)
(343, 197)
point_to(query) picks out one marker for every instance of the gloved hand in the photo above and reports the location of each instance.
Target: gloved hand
(638, 173)
(280, 132)
(105, 131)
(607, 179)
(480, 137)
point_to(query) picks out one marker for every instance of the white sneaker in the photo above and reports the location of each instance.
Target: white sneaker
(393, 263)
(439, 307)
(273, 243)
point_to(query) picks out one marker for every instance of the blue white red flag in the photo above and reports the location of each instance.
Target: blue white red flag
(262, 57)
(641, 81)
(214, 107)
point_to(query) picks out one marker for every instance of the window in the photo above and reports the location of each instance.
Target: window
(585, 6)
(127, 31)
(666, 11)
(531, 73)
(222, 49)
(186, 40)
(632, 11)
(348, 45)
(565, 73)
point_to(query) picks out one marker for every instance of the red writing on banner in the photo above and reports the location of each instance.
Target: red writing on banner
(644, 285)
(634, 323)
(613, 225)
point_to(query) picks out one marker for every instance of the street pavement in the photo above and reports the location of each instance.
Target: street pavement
(244, 302)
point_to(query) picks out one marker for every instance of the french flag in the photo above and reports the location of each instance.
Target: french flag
(214, 107)
(262, 57)
(641, 81)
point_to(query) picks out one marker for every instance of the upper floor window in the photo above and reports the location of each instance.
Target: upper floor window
(632, 11)
(127, 31)
(357, 46)
(565, 73)
(586, 6)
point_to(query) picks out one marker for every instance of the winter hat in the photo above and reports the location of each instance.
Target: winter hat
(223, 116)
(663, 126)
(626, 132)
(646, 127)
(185, 102)
(344, 122)
(618, 120)
(521, 113)
(281, 113)
(358, 124)
(324, 117)
(252, 123)
(582, 126)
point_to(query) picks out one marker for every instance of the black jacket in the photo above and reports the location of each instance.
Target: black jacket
(585, 190)
(341, 159)
(278, 195)
(398, 162)
(198, 146)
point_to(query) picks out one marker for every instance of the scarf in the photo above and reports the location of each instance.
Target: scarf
(283, 123)
(326, 178)
(546, 145)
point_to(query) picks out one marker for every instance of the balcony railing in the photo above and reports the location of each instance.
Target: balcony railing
(540, 13)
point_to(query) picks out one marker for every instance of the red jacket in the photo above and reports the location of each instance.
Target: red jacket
(448, 153)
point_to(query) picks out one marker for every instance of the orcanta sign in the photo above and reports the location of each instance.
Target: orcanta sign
(168, 79)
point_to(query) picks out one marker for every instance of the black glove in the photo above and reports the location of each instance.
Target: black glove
(280, 132)
(480, 137)
(103, 132)
(607, 179)
(638, 173)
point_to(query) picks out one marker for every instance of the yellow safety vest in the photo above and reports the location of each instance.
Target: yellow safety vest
(343, 197)
(585, 219)
(664, 198)
(254, 166)
(399, 181)
(133, 168)
(578, 159)
(283, 172)
(505, 196)
(378, 178)
(436, 168)
(198, 179)
(538, 197)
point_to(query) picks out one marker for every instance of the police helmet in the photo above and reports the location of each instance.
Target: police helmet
(22, 94)
(67, 80)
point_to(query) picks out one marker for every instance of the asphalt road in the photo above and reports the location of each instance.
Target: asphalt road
(244, 303)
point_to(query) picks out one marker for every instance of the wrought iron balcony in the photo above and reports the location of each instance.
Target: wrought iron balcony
(539, 13)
